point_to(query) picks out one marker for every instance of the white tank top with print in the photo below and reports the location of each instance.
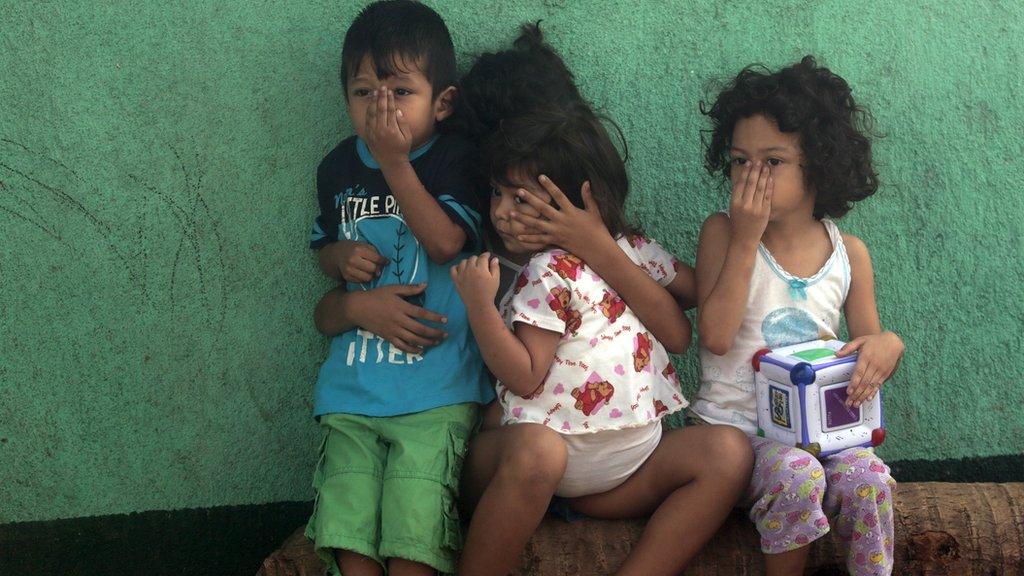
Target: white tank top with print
(782, 309)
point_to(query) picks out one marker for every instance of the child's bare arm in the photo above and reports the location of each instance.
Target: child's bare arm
(583, 234)
(389, 139)
(684, 286)
(879, 352)
(382, 311)
(519, 360)
(725, 259)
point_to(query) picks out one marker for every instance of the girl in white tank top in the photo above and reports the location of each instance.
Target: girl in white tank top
(776, 271)
(781, 309)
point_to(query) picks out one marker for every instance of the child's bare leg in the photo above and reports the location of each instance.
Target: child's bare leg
(353, 564)
(403, 567)
(690, 483)
(787, 563)
(510, 474)
(491, 416)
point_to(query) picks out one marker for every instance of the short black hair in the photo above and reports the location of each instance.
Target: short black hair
(569, 146)
(512, 82)
(818, 106)
(393, 31)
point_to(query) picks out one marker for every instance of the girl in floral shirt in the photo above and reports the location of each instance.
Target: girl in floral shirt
(583, 381)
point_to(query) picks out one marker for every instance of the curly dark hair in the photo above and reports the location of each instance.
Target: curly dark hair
(817, 105)
(568, 146)
(511, 82)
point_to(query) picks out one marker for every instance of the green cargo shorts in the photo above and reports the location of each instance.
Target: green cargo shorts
(386, 487)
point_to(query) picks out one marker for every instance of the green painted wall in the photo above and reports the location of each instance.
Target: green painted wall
(156, 191)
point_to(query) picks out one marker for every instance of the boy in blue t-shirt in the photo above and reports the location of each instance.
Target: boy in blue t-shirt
(397, 396)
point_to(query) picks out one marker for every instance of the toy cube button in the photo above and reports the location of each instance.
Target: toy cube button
(755, 362)
(802, 374)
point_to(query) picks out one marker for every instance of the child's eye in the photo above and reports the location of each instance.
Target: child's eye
(402, 92)
(360, 92)
(739, 161)
(518, 200)
(495, 191)
(774, 161)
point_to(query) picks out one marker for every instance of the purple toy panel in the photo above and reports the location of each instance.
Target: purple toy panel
(837, 414)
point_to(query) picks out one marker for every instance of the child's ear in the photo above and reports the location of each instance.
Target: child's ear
(444, 104)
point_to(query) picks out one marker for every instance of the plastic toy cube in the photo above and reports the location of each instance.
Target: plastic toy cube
(801, 399)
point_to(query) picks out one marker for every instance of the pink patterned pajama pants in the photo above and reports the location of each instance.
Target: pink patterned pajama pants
(794, 499)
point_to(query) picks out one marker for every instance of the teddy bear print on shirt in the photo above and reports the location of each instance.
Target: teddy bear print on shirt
(559, 300)
(567, 266)
(593, 394)
(612, 306)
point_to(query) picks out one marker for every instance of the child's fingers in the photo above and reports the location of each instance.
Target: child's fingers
(588, 198)
(538, 224)
(417, 313)
(850, 347)
(745, 186)
(353, 274)
(407, 289)
(757, 194)
(413, 339)
(401, 344)
(535, 239)
(760, 186)
(737, 187)
(367, 266)
(362, 269)
(855, 383)
(403, 125)
(769, 191)
(392, 120)
(415, 316)
(545, 209)
(555, 192)
(483, 261)
(373, 256)
(371, 115)
(868, 386)
(495, 268)
(382, 108)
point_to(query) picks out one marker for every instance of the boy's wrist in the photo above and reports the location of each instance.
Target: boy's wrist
(394, 163)
(351, 305)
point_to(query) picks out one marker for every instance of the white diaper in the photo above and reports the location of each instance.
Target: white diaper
(601, 461)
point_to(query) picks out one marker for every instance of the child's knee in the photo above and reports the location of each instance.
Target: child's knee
(867, 481)
(730, 453)
(793, 476)
(535, 456)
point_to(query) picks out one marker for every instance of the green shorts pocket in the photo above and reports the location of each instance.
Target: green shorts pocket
(458, 444)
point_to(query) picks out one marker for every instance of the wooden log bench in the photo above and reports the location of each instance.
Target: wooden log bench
(941, 529)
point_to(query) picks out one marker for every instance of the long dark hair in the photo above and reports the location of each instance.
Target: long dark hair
(509, 83)
(568, 146)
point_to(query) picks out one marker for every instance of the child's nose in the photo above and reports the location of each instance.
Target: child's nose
(503, 209)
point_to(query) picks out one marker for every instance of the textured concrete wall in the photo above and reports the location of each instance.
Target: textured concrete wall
(156, 165)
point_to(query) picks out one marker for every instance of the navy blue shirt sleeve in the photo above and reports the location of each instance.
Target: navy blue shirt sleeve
(325, 227)
(453, 186)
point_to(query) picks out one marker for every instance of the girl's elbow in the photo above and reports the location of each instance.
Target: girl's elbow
(443, 253)
(524, 388)
(678, 344)
(445, 249)
(717, 344)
